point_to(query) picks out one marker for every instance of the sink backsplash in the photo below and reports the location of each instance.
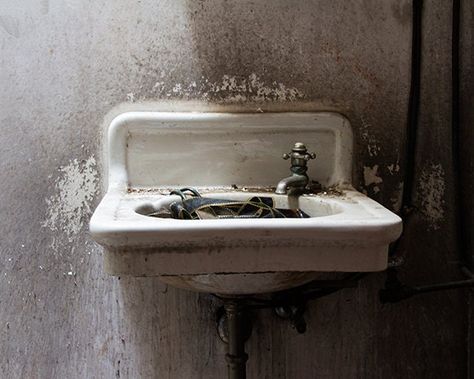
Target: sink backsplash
(217, 149)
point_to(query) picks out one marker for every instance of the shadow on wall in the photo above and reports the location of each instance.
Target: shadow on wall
(172, 331)
(262, 55)
(258, 51)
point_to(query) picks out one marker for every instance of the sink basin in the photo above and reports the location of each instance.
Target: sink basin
(310, 205)
(235, 157)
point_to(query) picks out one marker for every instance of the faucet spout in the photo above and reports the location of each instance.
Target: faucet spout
(290, 183)
(299, 180)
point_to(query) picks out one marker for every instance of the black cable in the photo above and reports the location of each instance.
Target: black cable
(395, 290)
(413, 108)
(411, 131)
(460, 227)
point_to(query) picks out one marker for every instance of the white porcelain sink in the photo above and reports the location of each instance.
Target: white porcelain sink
(235, 157)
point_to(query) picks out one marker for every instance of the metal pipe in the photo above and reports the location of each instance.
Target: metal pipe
(291, 182)
(444, 286)
(464, 240)
(411, 132)
(413, 107)
(398, 291)
(236, 357)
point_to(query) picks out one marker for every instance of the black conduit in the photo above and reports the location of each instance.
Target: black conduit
(461, 236)
(394, 290)
(413, 108)
(412, 123)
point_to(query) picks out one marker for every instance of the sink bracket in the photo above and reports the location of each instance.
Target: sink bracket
(294, 314)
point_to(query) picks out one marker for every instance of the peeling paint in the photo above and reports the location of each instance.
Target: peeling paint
(371, 177)
(131, 97)
(431, 194)
(396, 198)
(231, 89)
(373, 147)
(393, 168)
(75, 188)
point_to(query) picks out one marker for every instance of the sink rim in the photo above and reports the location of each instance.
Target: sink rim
(116, 216)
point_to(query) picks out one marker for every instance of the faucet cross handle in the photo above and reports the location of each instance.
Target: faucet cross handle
(298, 154)
(298, 181)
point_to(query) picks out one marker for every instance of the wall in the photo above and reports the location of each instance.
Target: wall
(65, 65)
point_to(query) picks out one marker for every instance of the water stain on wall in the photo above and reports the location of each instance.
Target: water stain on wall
(402, 12)
(10, 25)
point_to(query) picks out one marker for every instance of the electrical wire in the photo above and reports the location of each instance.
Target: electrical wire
(394, 290)
(461, 236)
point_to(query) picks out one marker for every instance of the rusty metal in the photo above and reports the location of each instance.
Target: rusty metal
(236, 356)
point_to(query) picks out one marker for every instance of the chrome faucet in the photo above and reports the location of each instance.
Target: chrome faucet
(298, 181)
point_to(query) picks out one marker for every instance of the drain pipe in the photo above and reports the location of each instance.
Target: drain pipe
(236, 356)
(289, 305)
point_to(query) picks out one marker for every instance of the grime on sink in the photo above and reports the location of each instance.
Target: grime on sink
(313, 189)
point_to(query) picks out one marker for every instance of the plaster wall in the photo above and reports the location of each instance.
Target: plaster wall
(67, 66)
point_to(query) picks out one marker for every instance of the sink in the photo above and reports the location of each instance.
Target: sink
(235, 157)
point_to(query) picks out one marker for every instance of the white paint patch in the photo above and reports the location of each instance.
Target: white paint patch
(75, 189)
(254, 89)
(232, 89)
(373, 147)
(177, 88)
(393, 168)
(371, 178)
(131, 97)
(431, 194)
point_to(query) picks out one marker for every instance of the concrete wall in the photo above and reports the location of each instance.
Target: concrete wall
(65, 65)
